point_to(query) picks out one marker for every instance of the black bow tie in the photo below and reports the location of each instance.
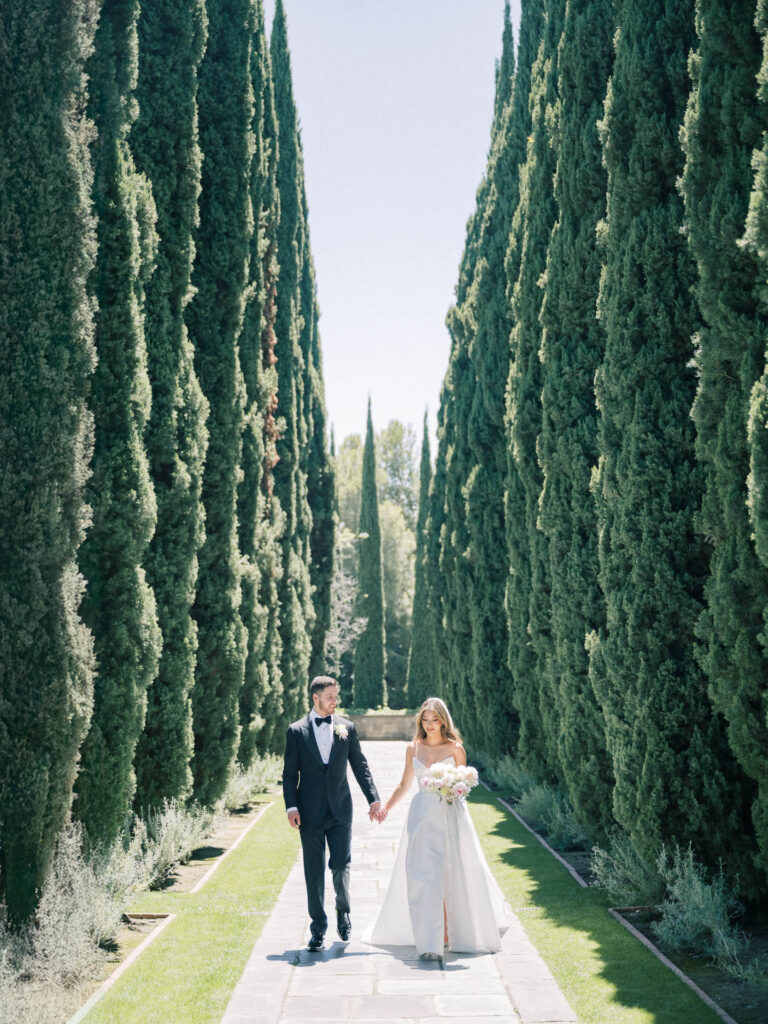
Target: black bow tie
(327, 720)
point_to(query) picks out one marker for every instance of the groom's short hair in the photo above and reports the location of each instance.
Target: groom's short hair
(319, 683)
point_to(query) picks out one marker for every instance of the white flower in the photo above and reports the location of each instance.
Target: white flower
(341, 731)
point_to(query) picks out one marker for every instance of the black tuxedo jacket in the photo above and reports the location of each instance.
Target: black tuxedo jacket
(315, 787)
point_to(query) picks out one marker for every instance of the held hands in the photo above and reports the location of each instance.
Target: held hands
(377, 812)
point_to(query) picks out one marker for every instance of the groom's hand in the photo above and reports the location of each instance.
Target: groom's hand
(294, 819)
(373, 811)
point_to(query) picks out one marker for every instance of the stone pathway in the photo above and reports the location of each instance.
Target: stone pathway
(352, 983)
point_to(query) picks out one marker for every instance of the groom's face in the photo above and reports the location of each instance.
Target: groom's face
(326, 700)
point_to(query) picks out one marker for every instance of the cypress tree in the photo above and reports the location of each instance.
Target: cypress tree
(165, 145)
(47, 235)
(489, 313)
(215, 319)
(369, 689)
(256, 534)
(745, 704)
(321, 482)
(664, 740)
(422, 656)
(290, 483)
(435, 530)
(571, 350)
(119, 606)
(454, 541)
(528, 607)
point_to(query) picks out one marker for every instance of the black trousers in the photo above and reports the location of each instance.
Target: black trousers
(338, 836)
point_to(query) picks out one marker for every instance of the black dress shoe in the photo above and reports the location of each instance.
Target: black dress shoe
(343, 925)
(315, 943)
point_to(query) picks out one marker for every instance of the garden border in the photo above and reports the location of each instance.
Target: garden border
(615, 912)
(121, 968)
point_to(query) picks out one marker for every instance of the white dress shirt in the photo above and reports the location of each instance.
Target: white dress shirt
(324, 737)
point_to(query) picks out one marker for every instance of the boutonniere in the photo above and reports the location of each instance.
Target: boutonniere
(341, 731)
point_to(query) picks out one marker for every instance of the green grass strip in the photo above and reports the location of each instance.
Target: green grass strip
(606, 975)
(188, 975)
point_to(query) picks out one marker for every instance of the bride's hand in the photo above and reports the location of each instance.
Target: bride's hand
(382, 814)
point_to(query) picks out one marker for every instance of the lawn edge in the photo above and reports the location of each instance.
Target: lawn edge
(222, 857)
(121, 968)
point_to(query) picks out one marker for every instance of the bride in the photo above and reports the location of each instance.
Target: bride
(441, 893)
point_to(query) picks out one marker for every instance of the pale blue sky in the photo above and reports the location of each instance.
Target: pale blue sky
(395, 101)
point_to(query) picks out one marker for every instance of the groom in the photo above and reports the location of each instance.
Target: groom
(319, 804)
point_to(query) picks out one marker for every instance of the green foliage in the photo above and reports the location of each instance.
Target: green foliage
(119, 606)
(369, 685)
(290, 472)
(47, 238)
(528, 606)
(731, 344)
(215, 320)
(396, 469)
(165, 144)
(420, 678)
(666, 744)
(571, 350)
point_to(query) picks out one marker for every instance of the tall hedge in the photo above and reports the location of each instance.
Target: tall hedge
(748, 715)
(369, 686)
(490, 315)
(290, 483)
(571, 350)
(215, 320)
(421, 674)
(164, 141)
(48, 240)
(528, 607)
(665, 742)
(119, 605)
(256, 535)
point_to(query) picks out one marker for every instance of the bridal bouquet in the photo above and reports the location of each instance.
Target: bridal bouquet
(449, 782)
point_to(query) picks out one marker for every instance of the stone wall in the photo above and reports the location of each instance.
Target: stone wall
(384, 727)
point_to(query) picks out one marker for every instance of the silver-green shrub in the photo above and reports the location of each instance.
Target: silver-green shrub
(625, 875)
(246, 783)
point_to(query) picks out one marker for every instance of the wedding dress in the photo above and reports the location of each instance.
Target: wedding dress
(440, 861)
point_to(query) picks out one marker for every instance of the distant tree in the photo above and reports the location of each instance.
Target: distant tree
(422, 656)
(369, 686)
(119, 605)
(345, 626)
(215, 319)
(396, 447)
(164, 140)
(48, 241)
(398, 548)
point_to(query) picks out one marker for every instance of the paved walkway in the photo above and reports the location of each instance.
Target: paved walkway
(358, 984)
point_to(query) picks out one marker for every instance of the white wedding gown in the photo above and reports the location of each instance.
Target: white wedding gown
(439, 860)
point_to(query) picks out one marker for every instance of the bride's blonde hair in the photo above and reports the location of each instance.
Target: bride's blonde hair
(447, 728)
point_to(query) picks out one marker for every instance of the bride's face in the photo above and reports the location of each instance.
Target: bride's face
(431, 724)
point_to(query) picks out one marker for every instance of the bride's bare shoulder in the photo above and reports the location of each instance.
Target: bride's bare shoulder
(459, 752)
